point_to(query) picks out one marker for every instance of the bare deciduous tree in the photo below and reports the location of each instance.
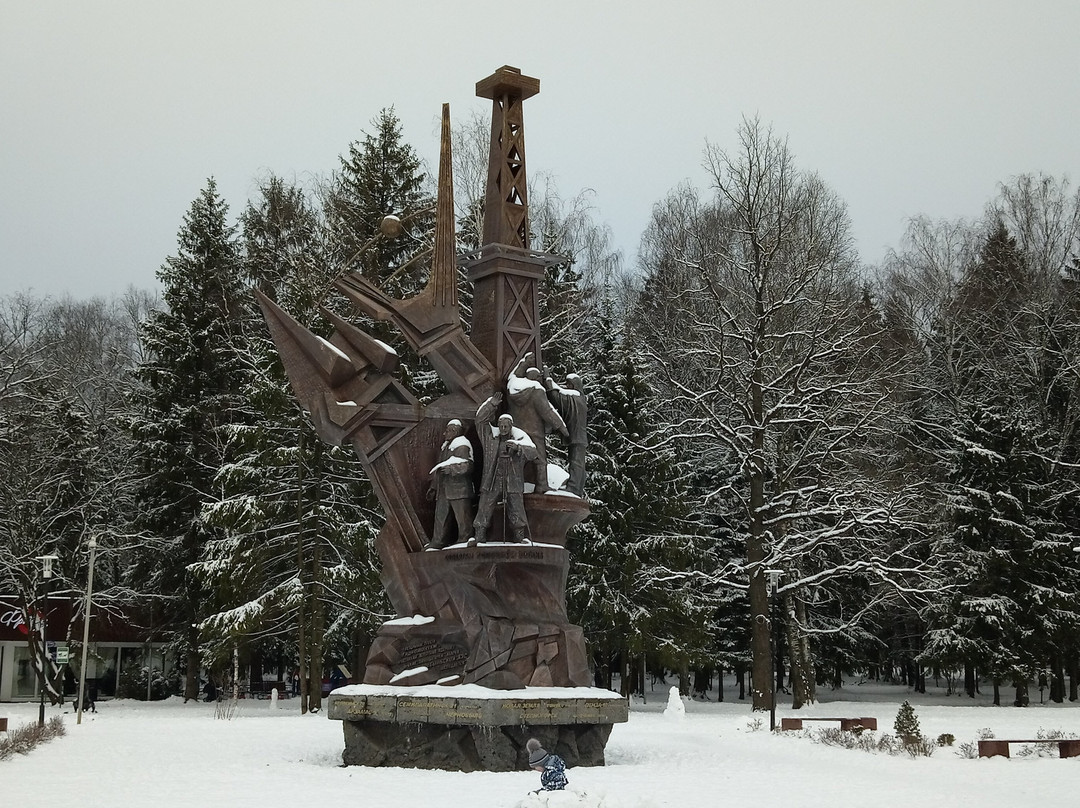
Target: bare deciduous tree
(753, 311)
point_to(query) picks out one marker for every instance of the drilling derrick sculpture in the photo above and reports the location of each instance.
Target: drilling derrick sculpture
(490, 612)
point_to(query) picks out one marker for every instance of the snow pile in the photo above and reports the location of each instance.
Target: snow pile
(176, 755)
(571, 798)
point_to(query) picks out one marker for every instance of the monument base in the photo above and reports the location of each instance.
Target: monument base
(472, 728)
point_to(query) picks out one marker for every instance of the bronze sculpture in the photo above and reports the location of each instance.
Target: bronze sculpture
(571, 403)
(533, 413)
(452, 486)
(506, 449)
(467, 614)
(349, 386)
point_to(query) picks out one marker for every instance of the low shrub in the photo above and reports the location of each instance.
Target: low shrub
(1045, 749)
(870, 742)
(968, 749)
(132, 684)
(22, 739)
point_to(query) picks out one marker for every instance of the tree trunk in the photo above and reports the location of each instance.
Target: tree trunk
(1057, 681)
(191, 676)
(997, 693)
(235, 673)
(625, 685)
(969, 680)
(760, 628)
(318, 630)
(802, 667)
(302, 622)
(1022, 697)
(1074, 676)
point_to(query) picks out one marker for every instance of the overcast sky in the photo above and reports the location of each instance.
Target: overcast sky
(113, 114)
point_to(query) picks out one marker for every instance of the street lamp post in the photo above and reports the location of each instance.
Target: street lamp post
(46, 574)
(86, 628)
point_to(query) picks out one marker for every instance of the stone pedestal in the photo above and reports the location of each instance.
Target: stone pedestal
(495, 615)
(471, 728)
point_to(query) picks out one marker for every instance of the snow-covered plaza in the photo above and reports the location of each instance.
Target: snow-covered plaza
(172, 755)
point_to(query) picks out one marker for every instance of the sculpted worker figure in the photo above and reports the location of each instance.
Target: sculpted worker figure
(506, 449)
(570, 401)
(533, 413)
(452, 486)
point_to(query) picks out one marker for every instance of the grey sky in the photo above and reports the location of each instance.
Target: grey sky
(113, 114)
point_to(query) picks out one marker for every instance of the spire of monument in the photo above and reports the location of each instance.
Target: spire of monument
(443, 279)
(506, 204)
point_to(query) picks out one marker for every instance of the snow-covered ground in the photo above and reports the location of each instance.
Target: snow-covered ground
(168, 754)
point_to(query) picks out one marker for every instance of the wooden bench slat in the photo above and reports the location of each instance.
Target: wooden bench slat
(863, 722)
(999, 747)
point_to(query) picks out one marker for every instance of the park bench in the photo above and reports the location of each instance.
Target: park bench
(846, 724)
(261, 690)
(1067, 747)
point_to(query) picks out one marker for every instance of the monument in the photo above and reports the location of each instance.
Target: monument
(482, 655)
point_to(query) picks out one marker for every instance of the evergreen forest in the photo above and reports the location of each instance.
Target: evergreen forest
(803, 471)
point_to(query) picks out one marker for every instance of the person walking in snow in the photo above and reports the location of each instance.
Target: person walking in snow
(551, 767)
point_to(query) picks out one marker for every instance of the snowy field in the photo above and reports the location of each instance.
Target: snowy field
(168, 754)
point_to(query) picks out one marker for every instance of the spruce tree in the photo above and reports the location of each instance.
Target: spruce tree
(191, 399)
(1014, 580)
(906, 725)
(295, 555)
(381, 175)
(629, 585)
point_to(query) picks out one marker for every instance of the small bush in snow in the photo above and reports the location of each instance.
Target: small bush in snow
(132, 684)
(1045, 749)
(920, 747)
(984, 734)
(946, 739)
(23, 739)
(969, 749)
(226, 709)
(755, 724)
(870, 742)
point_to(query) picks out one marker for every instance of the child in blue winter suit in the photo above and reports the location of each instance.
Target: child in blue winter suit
(551, 767)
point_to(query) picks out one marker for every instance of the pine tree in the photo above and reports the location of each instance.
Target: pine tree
(295, 556)
(906, 725)
(192, 380)
(629, 587)
(1013, 572)
(380, 176)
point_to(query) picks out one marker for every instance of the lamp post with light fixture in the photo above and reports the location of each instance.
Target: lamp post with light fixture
(92, 546)
(46, 574)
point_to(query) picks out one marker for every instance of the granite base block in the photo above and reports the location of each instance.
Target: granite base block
(467, 732)
(468, 748)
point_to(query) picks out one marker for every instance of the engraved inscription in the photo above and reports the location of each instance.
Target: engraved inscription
(494, 555)
(432, 655)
